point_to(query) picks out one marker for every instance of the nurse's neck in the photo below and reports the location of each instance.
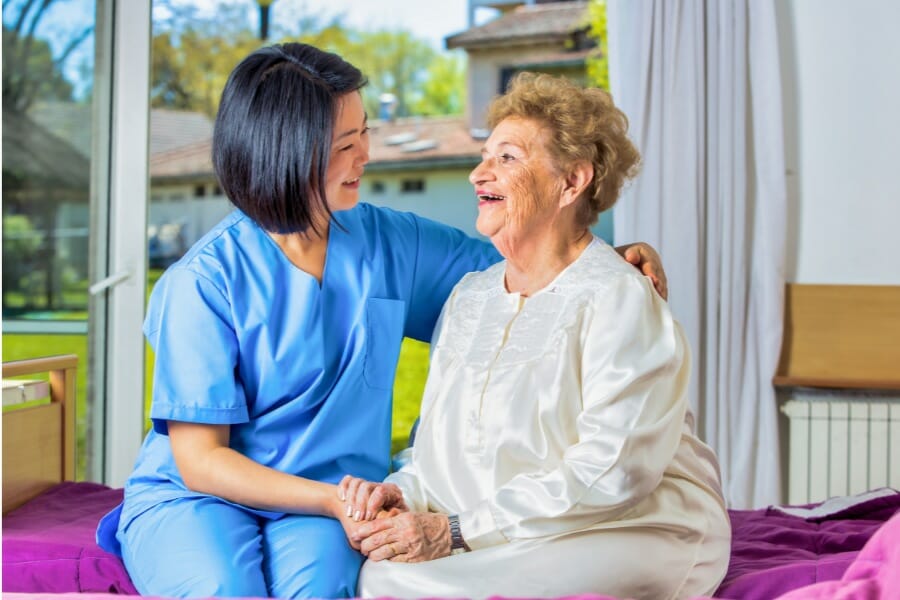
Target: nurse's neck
(305, 250)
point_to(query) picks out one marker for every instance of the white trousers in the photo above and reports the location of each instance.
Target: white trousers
(633, 562)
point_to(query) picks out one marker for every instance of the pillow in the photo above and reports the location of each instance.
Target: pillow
(49, 543)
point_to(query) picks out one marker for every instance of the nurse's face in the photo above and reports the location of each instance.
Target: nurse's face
(349, 153)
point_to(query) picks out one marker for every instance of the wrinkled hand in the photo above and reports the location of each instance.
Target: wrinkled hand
(365, 499)
(648, 262)
(407, 537)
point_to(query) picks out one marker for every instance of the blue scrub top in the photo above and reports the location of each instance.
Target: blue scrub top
(303, 373)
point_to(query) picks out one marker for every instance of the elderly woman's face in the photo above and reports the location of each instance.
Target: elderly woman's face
(517, 184)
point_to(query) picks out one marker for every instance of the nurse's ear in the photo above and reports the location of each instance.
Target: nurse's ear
(577, 178)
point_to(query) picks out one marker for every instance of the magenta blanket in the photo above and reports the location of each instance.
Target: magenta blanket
(773, 553)
(49, 547)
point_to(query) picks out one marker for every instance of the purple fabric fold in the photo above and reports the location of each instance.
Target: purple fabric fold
(773, 553)
(49, 543)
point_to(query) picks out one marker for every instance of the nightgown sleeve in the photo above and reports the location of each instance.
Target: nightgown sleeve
(633, 386)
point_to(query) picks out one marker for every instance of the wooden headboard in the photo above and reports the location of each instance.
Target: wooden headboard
(841, 336)
(39, 441)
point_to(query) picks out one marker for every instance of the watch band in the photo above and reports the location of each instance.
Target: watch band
(457, 543)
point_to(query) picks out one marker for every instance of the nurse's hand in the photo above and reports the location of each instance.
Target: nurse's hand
(407, 537)
(364, 499)
(647, 261)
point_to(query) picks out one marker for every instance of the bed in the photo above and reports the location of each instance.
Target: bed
(848, 548)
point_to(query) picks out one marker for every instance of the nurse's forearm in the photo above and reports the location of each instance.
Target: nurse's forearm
(208, 465)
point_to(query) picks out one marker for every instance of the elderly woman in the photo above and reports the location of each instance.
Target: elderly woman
(556, 452)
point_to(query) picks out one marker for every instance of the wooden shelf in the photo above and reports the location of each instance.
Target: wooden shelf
(841, 336)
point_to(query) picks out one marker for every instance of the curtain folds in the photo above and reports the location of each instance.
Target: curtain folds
(700, 83)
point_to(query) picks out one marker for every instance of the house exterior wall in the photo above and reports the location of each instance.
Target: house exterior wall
(179, 204)
(448, 196)
(485, 72)
(842, 139)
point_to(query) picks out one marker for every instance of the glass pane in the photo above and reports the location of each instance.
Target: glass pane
(48, 76)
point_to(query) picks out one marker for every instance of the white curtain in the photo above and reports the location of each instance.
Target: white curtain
(700, 83)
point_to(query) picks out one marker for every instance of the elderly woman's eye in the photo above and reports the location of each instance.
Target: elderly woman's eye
(507, 157)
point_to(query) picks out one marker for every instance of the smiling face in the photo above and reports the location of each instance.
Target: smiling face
(349, 153)
(517, 183)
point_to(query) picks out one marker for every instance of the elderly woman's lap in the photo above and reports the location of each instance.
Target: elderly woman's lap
(634, 562)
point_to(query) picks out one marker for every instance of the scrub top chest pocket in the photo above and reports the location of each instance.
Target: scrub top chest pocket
(384, 327)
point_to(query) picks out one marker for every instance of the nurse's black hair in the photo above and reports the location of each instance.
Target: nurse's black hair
(272, 136)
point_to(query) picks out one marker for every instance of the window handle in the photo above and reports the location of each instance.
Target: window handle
(109, 282)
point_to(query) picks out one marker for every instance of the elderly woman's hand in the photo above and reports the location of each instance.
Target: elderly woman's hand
(407, 537)
(648, 262)
(366, 500)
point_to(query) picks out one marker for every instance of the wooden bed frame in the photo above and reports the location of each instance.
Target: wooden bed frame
(39, 440)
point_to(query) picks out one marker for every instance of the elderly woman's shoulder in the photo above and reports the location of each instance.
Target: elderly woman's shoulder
(601, 268)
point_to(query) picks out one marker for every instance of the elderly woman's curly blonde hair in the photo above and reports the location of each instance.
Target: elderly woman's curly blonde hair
(584, 125)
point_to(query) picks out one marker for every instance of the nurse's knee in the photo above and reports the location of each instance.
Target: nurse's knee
(321, 564)
(336, 578)
(199, 580)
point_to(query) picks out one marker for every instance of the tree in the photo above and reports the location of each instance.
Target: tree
(444, 90)
(193, 53)
(30, 71)
(21, 247)
(598, 62)
(396, 62)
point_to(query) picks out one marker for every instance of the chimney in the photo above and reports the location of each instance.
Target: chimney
(387, 103)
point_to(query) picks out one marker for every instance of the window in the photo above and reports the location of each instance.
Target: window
(70, 234)
(378, 187)
(199, 191)
(412, 186)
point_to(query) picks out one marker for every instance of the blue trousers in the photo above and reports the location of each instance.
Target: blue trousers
(201, 547)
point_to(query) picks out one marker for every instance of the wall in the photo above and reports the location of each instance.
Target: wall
(448, 196)
(840, 67)
(483, 78)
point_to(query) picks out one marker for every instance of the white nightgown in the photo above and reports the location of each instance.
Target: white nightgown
(557, 426)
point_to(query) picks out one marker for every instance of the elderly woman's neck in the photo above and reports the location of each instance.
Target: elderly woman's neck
(532, 264)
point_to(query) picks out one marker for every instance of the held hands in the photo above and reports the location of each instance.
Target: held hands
(366, 500)
(647, 261)
(406, 537)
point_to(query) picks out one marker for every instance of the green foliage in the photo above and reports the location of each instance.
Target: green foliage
(21, 247)
(395, 62)
(444, 89)
(409, 384)
(598, 62)
(30, 70)
(194, 52)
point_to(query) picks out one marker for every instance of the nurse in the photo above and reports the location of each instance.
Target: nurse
(276, 340)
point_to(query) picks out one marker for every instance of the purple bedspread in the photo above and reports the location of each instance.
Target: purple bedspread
(49, 547)
(773, 553)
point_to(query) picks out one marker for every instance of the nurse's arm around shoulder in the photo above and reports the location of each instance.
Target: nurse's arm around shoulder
(208, 465)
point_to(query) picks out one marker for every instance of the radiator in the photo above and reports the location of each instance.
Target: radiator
(840, 443)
